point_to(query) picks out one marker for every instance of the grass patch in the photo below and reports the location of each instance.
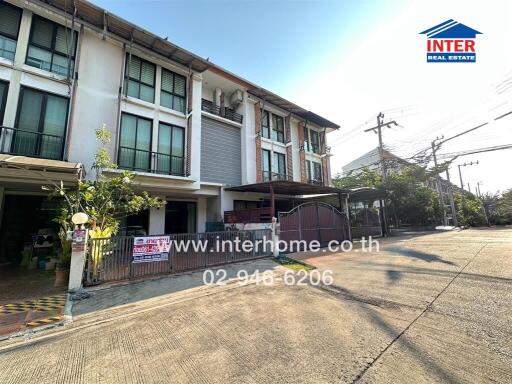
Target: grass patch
(292, 264)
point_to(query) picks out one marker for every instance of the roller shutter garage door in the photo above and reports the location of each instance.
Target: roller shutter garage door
(221, 153)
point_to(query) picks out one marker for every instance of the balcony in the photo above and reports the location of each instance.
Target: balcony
(272, 176)
(318, 182)
(22, 142)
(225, 112)
(133, 159)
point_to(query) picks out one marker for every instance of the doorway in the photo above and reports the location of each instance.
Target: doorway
(180, 217)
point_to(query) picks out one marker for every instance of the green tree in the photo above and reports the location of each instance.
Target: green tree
(469, 209)
(106, 199)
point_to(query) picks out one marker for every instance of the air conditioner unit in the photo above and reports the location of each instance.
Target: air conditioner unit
(236, 98)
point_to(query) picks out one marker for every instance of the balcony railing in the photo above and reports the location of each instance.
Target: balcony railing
(154, 162)
(254, 215)
(22, 142)
(272, 176)
(318, 182)
(225, 112)
(316, 148)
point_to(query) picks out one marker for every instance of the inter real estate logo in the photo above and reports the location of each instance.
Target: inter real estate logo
(451, 42)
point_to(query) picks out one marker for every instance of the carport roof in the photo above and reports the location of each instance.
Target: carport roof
(25, 162)
(363, 194)
(291, 188)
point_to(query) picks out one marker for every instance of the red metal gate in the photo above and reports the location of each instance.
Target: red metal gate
(314, 221)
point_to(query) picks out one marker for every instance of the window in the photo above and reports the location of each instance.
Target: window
(265, 123)
(313, 172)
(307, 147)
(40, 125)
(171, 149)
(172, 94)
(135, 143)
(10, 17)
(51, 47)
(315, 144)
(4, 87)
(274, 165)
(277, 128)
(278, 166)
(274, 131)
(140, 79)
(265, 158)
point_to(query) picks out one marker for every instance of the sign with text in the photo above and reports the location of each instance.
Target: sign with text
(149, 249)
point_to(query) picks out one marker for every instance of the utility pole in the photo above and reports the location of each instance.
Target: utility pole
(452, 201)
(469, 188)
(378, 130)
(460, 173)
(478, 194)
(438, 178)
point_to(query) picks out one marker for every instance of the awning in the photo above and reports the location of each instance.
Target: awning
(365, 194)
(31, 163)
(290, 188)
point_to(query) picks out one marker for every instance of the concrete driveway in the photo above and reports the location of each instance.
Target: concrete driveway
(431, 308)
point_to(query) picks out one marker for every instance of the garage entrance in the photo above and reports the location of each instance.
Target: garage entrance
(314, 221)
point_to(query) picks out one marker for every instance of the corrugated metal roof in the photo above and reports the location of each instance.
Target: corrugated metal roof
(36, 163)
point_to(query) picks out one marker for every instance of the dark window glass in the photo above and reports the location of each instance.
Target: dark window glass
(239, 205)
(171, 149)
(265, 124)
(4, 87)
(40, 125)
(10, 17)
(277, 128)
(317, 171)
(307, 147)
(51, 47)
(265, 158)
(140, 79)
(278, 166)
(315, 143)
(135, 143)
(173, 93)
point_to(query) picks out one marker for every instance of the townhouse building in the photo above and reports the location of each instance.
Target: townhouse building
(190, 130)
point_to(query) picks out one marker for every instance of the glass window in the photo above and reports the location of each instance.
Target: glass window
(265, 158)
(171, 149)
(277, 128)
(265, 124)
(51, 47)
(315, 143)
(4, 87)
(10, 17)
(140, 79)
(41, 125)
(317, 171)
(306, 140)
(278, 166)
(135, 143)
(173, 93)
(308, 170)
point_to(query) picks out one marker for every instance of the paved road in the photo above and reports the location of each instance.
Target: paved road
(431, 308)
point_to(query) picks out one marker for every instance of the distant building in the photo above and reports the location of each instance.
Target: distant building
(371, 160)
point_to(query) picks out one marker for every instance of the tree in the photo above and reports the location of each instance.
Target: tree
(469, 209)
(106, 200)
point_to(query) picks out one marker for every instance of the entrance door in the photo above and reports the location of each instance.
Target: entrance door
(180, 217)
(313, 221)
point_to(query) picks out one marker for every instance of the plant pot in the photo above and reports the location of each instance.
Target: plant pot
(61, 277)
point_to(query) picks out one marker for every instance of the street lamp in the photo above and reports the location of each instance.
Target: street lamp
(80, 218)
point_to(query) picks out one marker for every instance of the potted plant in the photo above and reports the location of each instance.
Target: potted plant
(62, 270)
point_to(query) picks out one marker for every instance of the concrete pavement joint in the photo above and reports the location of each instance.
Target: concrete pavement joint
(426, 309)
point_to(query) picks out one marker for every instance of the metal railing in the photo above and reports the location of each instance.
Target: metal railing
(225, 112)
(147, 161)
(111, 259)
(22, 142)
(319, 182)
(253, 215)
(271, 176)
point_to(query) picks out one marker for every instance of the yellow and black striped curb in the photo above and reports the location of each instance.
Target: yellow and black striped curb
(40, 322)
(44, 304)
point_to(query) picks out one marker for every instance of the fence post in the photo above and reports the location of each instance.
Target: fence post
(78, 256)
(275, 238)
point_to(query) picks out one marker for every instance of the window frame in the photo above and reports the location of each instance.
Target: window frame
(4, 101)
(172, 126)
(13, 37)
(128, 78)
(136, 148)
(277, 131)
(315, 146)
(278, 155)
(52, 49)
(265, 124)
(271, 162)
(42, 116)
(173, 94)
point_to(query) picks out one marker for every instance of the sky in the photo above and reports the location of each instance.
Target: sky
(349, 60)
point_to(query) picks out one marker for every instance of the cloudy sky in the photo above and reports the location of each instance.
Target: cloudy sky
(349, 60)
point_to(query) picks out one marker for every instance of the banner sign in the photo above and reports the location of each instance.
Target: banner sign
(148, 249)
